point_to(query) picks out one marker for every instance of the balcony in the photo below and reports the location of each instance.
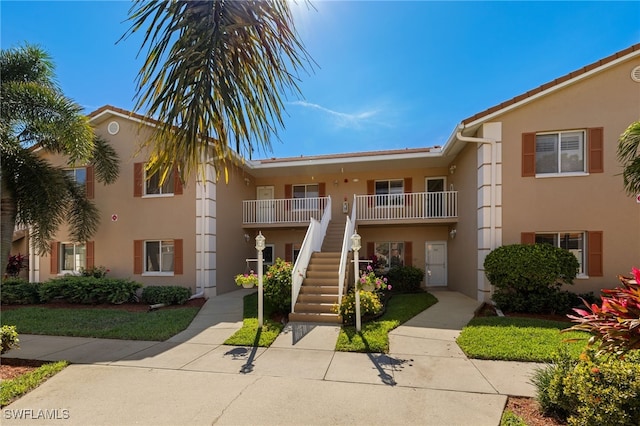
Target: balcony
(282, 212)
(418, 207)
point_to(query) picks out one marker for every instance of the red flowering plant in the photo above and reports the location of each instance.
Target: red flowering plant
(16, 263)
(615, 324)
(368, 279)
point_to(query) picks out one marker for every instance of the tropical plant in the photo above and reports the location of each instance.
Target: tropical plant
(629, 156)
(213, 77)
(277, 285)
(616, 325)
(16, 263)
(34, 111)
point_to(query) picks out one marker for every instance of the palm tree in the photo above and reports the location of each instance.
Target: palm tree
(629, 156)
(35, 115)
(213, 77)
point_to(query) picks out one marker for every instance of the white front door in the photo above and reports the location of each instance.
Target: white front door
(436, 263)
(266, 205)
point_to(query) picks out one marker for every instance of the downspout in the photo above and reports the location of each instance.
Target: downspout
(494, 155)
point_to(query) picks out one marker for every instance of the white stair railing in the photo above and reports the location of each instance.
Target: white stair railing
(312, 243)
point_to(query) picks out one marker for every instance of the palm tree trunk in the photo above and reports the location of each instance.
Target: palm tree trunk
(7, 222)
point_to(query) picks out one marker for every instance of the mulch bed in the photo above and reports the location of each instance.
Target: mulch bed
(11, 368)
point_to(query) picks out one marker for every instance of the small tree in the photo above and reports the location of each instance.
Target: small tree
(277, 285)
(528, 277)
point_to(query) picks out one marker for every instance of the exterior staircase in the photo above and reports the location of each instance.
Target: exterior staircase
(319, 291)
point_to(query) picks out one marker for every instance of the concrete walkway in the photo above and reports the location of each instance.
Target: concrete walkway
(193, 379)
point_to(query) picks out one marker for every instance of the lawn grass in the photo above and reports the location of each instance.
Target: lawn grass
(15, 388)
(102, 323)
(518, 339)
(250, 334)
(374, 335)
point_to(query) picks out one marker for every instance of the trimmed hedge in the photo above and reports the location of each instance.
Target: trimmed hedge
(405, 279)
(16, 291)
(89, 290)
(168, 294)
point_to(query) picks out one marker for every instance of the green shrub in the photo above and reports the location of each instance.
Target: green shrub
(94, 271)
(527, 278)
(16, 291)
(167, 294)
(405, 279)
(277, 285)
(601, 390)
(370, 305)
(606, 391)
(89, 290)
(8, 338)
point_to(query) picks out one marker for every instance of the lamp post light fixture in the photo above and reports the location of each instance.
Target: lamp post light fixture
(356, 245)
(260, 247)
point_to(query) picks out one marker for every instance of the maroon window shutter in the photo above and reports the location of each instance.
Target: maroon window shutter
(595, 261)
(90, 182)
(288, 252)
(528, 238)
(595, 139)
(408, 189)
(370, 191)
(177, 257)
(137, 257)
(138, 179)
(371, 250)
(90, 256)
(177, 182)
(528, 154)
(408, 253)
(55, 263)
(322, 189)
(288, 193)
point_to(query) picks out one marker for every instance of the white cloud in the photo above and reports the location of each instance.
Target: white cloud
(343, 119)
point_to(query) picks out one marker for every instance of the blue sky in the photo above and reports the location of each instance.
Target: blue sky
(389, 74)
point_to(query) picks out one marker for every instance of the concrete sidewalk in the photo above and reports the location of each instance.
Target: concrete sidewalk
(194, 379)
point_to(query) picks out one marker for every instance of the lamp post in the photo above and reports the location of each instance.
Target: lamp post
(355, 246)
(260, 247)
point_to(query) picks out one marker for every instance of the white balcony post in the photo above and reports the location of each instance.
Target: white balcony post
(356, 245)
(260, 245)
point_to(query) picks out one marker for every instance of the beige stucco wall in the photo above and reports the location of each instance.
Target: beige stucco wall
(595, 202)
(139, 218)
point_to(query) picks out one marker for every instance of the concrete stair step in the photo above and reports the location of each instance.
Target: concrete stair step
(317, 298)
(307, 308)
(315, 282)
(315, 317)
(322, 274)
(319, 289)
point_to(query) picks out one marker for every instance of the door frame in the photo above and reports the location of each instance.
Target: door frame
(426, 264)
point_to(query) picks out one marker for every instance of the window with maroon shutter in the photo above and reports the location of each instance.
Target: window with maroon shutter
(53, 257)
(288, 194)
(137, 257)
(177, 257)
(177, 183)
(90, 256)
(408, 253)
(595, 260)
(528, 238)
(138, 179)
(371, 188)
(288, 252)
(528, 154)
(89, 183)
(595, 139)
(322, 189)
(408, 189)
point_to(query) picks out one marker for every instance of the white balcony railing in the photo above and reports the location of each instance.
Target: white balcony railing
(416, 206)
(289, 210)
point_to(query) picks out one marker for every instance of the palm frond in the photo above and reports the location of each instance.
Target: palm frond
(629, 156)
(105, 160)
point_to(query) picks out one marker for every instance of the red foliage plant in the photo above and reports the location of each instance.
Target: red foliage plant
(616, 324)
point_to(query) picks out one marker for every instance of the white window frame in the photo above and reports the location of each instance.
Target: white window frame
(61, 258)
(559, 134)
(269, 261)
(170, 180)
(74, 173)
(159, 272)
(558, 238)
(306, 202)
(391, 199)
(388, 256)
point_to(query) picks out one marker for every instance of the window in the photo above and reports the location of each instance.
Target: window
(73, 257)
(79, 175)
(572, 241)
(153, 187)
(561, 152)
(389, 192)
(305, 197)
(267, 254)
(159, 256)
(389, 254)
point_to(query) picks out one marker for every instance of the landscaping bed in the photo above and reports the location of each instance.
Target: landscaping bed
(129, 306)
